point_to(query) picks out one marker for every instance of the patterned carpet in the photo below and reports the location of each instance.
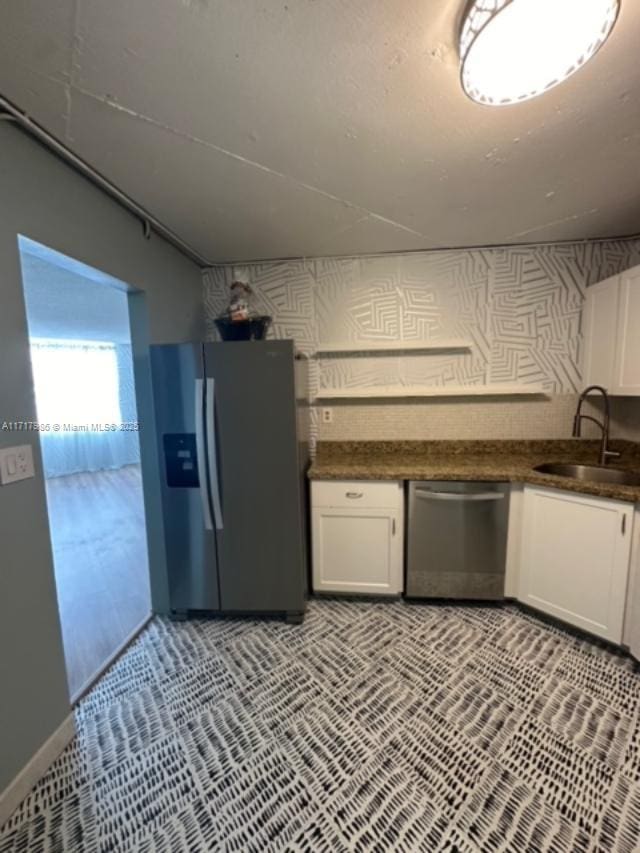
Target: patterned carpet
(373, 727)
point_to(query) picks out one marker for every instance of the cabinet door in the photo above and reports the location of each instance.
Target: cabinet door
(599, 328)
(575, 559)
(627, 364)
(357, 550)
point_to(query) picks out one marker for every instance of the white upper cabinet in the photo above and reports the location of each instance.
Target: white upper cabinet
(611, 341)
(626, 378)
(575, 559)
(599, 325)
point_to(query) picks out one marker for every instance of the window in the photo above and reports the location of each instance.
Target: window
(76, 382)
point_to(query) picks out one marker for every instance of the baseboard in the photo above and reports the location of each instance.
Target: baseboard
(35, 769)
(86, 687)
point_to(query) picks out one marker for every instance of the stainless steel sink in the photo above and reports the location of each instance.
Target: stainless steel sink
(591, 473)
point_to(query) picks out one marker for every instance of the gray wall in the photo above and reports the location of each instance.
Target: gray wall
(520, 306)
(43, 199)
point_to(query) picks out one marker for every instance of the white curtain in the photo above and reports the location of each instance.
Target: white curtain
(80, 397)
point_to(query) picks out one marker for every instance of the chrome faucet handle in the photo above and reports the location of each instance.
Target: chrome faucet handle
(612, 454)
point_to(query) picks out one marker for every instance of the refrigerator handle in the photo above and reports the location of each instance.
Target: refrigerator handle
(201, 453)
(212, 451)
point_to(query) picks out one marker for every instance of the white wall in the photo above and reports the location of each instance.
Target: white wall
(67, 305)
(521, 307)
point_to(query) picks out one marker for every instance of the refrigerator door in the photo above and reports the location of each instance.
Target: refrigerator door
(180, 406)
(259, 531)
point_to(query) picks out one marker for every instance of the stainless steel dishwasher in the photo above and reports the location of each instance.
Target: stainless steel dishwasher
(457, 539)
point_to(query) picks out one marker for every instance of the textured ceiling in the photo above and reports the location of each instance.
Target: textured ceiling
(318, 127)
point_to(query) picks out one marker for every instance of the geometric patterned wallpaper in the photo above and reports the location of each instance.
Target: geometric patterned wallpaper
(521, 307)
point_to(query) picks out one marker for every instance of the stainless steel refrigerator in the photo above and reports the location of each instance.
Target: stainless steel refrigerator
(232, 424)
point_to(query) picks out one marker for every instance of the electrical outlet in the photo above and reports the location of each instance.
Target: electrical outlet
(16, 463)
(327, 416)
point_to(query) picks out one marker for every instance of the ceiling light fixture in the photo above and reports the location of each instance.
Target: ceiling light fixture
(513, 50)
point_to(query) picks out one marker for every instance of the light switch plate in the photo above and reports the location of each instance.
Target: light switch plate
(16, 463)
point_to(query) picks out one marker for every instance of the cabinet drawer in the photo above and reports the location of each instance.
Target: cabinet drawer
(356, 493)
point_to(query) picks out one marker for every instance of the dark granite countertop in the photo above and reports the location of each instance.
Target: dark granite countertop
(497, 461)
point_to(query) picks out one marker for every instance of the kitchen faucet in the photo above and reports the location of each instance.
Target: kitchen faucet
(605, 453)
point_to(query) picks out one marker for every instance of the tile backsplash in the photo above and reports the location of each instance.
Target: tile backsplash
(520, 306)
(444, 419)
(489, 418)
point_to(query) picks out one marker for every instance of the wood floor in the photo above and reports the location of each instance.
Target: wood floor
(100, 557)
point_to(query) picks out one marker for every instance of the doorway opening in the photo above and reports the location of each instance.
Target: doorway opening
(82, 365)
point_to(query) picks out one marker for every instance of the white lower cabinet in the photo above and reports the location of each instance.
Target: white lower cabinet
(575, 559)
(357, 530)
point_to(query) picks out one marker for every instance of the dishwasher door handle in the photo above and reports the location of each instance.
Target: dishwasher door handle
(426, 495)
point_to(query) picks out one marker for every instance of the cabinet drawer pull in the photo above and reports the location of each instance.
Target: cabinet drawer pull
(353, 495)
(393, 527)
(624, 524)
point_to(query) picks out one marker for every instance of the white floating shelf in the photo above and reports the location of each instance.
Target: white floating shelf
(400, 391)
(348, 348)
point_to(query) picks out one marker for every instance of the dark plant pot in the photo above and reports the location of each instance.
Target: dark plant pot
(254, 329)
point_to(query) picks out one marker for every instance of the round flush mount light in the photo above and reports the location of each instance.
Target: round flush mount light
(513, 50)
